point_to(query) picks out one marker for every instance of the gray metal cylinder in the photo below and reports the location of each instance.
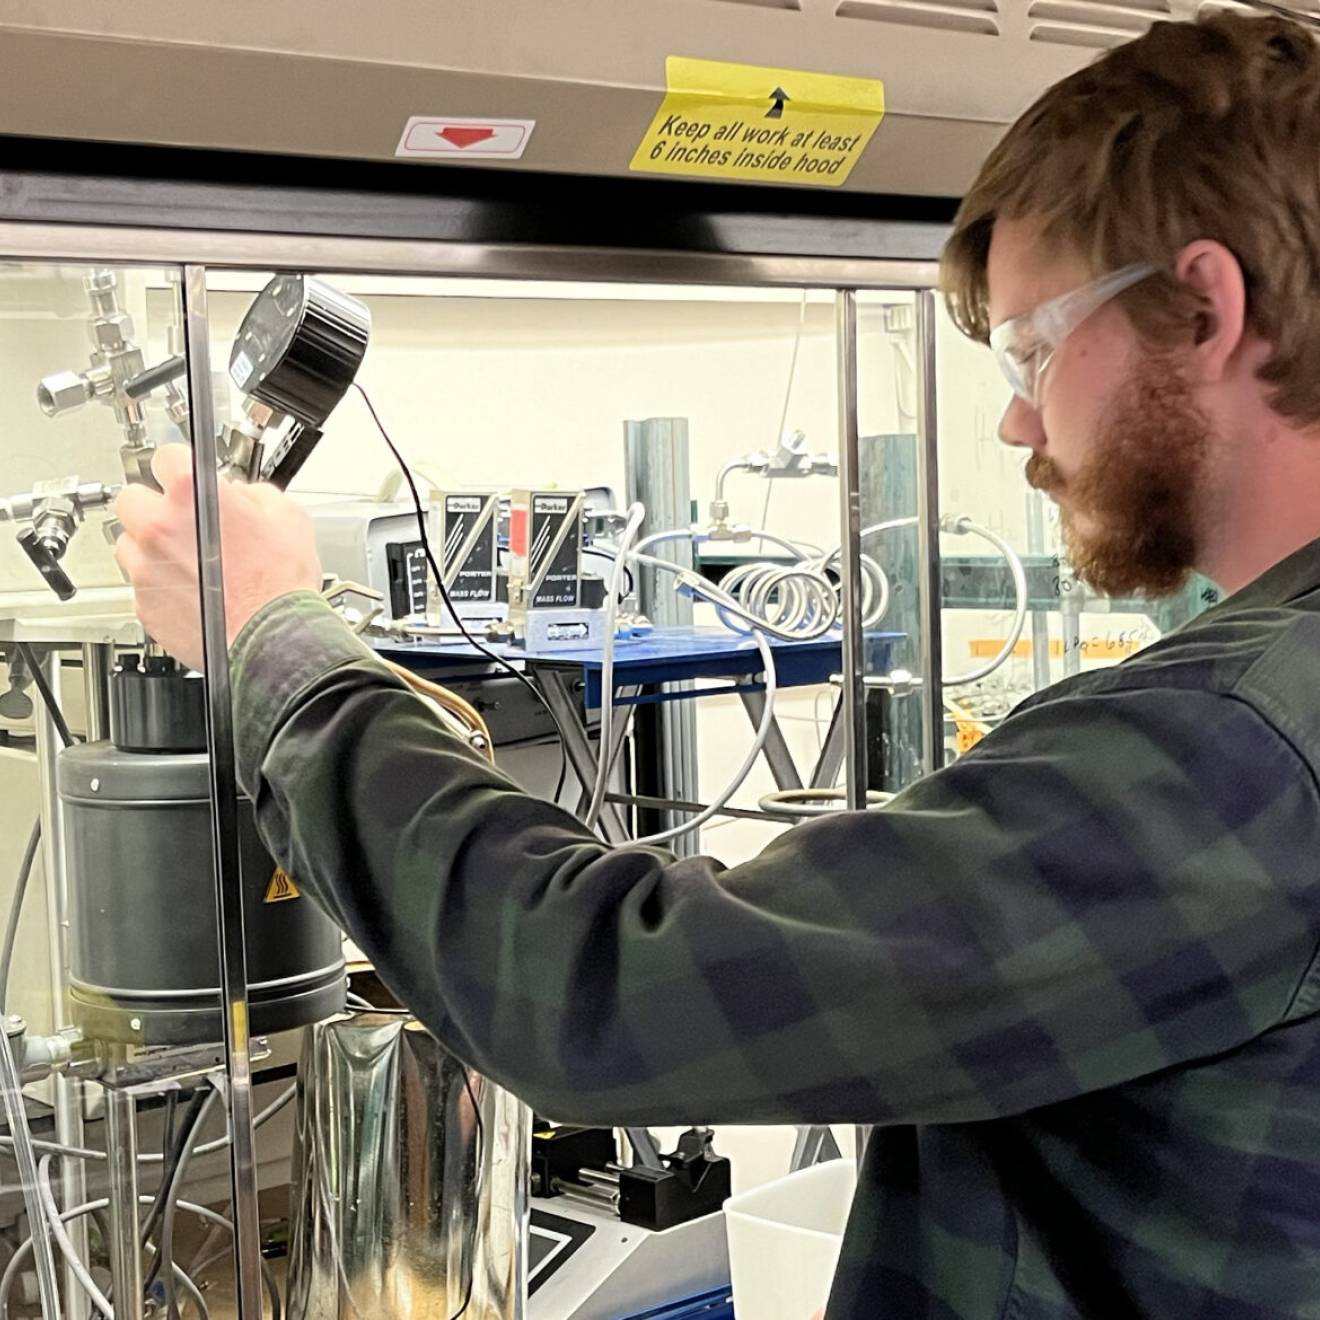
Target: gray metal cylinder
(402, 1203)
(143, 957)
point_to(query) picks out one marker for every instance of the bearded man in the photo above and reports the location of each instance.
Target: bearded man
(1070, 979)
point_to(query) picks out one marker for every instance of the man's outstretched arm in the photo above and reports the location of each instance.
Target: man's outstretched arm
(1105, 887)
(1017, 929)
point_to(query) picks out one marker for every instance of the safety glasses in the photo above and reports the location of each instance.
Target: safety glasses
(1025, 345)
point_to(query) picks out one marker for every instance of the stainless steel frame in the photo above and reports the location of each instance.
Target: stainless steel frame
(263, 251)
(125, 1250)
(67, 1101)
(266, 251)
(224, 799)
(928, 527)
(850, 553)
(126, 1257)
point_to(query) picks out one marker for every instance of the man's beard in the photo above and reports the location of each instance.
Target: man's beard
(1139, 491)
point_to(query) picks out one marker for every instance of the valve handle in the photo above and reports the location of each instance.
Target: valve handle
(47, 565)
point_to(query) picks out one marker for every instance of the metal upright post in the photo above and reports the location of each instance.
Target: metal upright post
(224, 799)
(1040, 625)
(657, 475)
(853, 647)
(122, 1157)
(97, 663)
(850, 552)
(65, 1094)
(928, 523)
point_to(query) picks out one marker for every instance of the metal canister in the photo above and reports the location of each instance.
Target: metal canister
(144, 956)
(405, 1204)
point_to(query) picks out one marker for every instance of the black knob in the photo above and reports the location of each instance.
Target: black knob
(47, 565)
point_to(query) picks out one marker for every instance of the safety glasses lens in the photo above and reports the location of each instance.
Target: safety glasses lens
(1019, 372)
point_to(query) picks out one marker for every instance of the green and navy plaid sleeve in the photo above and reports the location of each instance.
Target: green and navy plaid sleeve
(1109, 885)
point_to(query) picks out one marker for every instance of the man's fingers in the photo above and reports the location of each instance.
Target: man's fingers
(171, 465)
(126, 554)
(135, 506)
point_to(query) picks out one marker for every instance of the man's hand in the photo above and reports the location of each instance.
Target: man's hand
(267, 545)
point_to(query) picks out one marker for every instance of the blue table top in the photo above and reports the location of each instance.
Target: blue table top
(668, 655)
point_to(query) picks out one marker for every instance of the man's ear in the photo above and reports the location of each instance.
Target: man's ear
(1210, 270)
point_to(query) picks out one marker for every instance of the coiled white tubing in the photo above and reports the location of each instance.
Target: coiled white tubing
(800, 600)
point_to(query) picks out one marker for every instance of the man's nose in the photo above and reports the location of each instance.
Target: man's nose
(1021, 426)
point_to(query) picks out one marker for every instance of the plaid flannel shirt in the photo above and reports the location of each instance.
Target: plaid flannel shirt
(1072, 978)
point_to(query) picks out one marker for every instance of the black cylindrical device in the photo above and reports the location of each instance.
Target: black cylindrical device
(299, 347)
(144, 956)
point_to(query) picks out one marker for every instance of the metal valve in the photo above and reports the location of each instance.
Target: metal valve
(53, 512)
(116, 376)
(358, 620)
(790, 460)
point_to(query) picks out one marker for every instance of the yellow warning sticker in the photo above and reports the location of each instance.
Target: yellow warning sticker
(281, 887)
(738, 121)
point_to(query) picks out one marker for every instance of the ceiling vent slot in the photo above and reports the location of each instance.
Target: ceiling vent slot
(765, 4)
(1093, 24)
(975, 17)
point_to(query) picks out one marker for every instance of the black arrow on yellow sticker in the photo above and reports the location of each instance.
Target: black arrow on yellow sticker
(778, 96)
(281, 887)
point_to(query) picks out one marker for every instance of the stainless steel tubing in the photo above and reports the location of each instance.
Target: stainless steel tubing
(224, 799)
(598, 1196)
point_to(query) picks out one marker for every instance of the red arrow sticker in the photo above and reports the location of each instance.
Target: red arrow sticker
(436, 136)
(465, 137)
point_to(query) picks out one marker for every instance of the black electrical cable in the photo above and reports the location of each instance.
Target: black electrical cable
(165, 1255)
(47, 696)
(605, 554)
(16, 910)
(171, 1113)
(444, 591)
(182, 1137)
(34, 839)
(197, 1268)
(561, 781)
(524, 680)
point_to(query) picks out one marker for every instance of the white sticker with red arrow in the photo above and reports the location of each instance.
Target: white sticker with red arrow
(426, 135)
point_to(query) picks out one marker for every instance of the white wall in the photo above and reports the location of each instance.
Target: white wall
(512, 392)
(43, 329)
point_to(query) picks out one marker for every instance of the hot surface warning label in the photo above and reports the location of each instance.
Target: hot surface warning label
(737, 121)
(281, 888)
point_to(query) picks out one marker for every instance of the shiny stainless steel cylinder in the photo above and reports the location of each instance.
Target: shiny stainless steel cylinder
(404, 1201)
(97, 662)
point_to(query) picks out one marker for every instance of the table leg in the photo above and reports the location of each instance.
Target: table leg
(814, 1145)
(777, 755)
(577, 746)
(830, 761)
